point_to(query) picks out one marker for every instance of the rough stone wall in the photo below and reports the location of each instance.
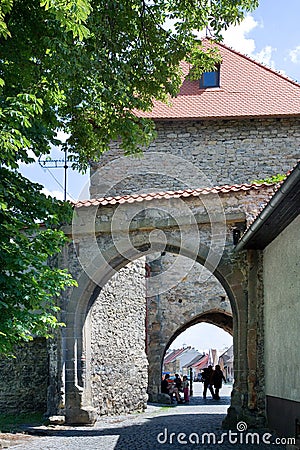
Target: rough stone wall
(224, 151)
(196, 284)
(197, 291)
(228, 151)
(119, 364)
(192, 300)
(24, 379)
(198, 297)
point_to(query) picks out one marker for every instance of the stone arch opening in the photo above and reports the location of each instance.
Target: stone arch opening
(189, 353)
(76, 342)
(214, 317)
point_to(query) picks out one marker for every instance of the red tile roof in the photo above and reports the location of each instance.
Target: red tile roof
(227, 189)
(175, 353)
(247, 89)
(202, 363)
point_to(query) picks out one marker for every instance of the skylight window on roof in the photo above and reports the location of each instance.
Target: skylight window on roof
(210, 79)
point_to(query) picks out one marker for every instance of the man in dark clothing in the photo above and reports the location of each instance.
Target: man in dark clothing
(207, 377)
(217, 379)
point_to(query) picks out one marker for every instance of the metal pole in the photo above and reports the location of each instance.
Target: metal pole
(66, 168)
(191, 382)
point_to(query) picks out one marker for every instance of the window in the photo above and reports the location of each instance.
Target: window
(210, 79)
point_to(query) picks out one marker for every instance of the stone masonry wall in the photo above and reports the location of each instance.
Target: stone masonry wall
(119, 363)
(198, 297)
(198, 291)
(221, 151)
(24, 379)
(225, 152)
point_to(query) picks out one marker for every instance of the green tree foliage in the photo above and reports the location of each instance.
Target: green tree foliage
(29, 236)
(82, 67)
(272, 179)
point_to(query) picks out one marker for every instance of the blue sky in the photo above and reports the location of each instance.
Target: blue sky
(271, 35)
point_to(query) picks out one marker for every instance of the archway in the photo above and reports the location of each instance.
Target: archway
(201, 344)
(76, 339)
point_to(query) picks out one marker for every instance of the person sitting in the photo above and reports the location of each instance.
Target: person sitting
(178, 382)
(170, 388)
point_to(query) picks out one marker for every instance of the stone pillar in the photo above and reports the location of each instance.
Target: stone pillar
(255, 338)
(235, 274)
(248, 393)
(155, 349)
(78, 408)
(239, 393)
(78, 404)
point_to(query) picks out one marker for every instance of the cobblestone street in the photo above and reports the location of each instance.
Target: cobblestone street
(158, 428)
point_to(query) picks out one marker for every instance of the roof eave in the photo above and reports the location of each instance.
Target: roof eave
(258, 116)
(280, 211)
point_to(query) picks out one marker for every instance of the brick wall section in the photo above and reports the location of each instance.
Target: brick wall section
(24, 379)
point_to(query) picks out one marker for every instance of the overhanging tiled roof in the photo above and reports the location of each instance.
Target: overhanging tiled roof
(227, 189)
(247, 89)
(277, 214)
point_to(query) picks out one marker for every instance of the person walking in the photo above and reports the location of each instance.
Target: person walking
(217, 379)
(207, 377)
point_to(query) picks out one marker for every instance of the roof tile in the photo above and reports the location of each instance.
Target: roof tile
(247, 89)
(170, 194)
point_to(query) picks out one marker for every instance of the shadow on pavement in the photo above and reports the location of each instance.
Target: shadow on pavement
(165, 428)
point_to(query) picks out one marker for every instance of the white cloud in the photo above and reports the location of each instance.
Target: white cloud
(294, 54)
(265, 56)
(58, 194)
(235, 36)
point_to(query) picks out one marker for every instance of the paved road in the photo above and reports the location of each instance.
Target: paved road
(159, 428)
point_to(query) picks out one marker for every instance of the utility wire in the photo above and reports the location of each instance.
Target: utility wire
(59, 184)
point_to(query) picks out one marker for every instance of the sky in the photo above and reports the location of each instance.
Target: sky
(269, 34)
(203, 337)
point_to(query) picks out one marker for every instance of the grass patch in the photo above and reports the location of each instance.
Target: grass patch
(12, 423)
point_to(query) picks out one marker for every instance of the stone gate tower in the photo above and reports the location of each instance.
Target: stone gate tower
(242, 127)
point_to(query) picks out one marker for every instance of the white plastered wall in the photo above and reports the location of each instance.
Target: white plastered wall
(282, 314)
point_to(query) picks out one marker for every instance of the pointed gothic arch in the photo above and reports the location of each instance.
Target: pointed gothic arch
(76, 340)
